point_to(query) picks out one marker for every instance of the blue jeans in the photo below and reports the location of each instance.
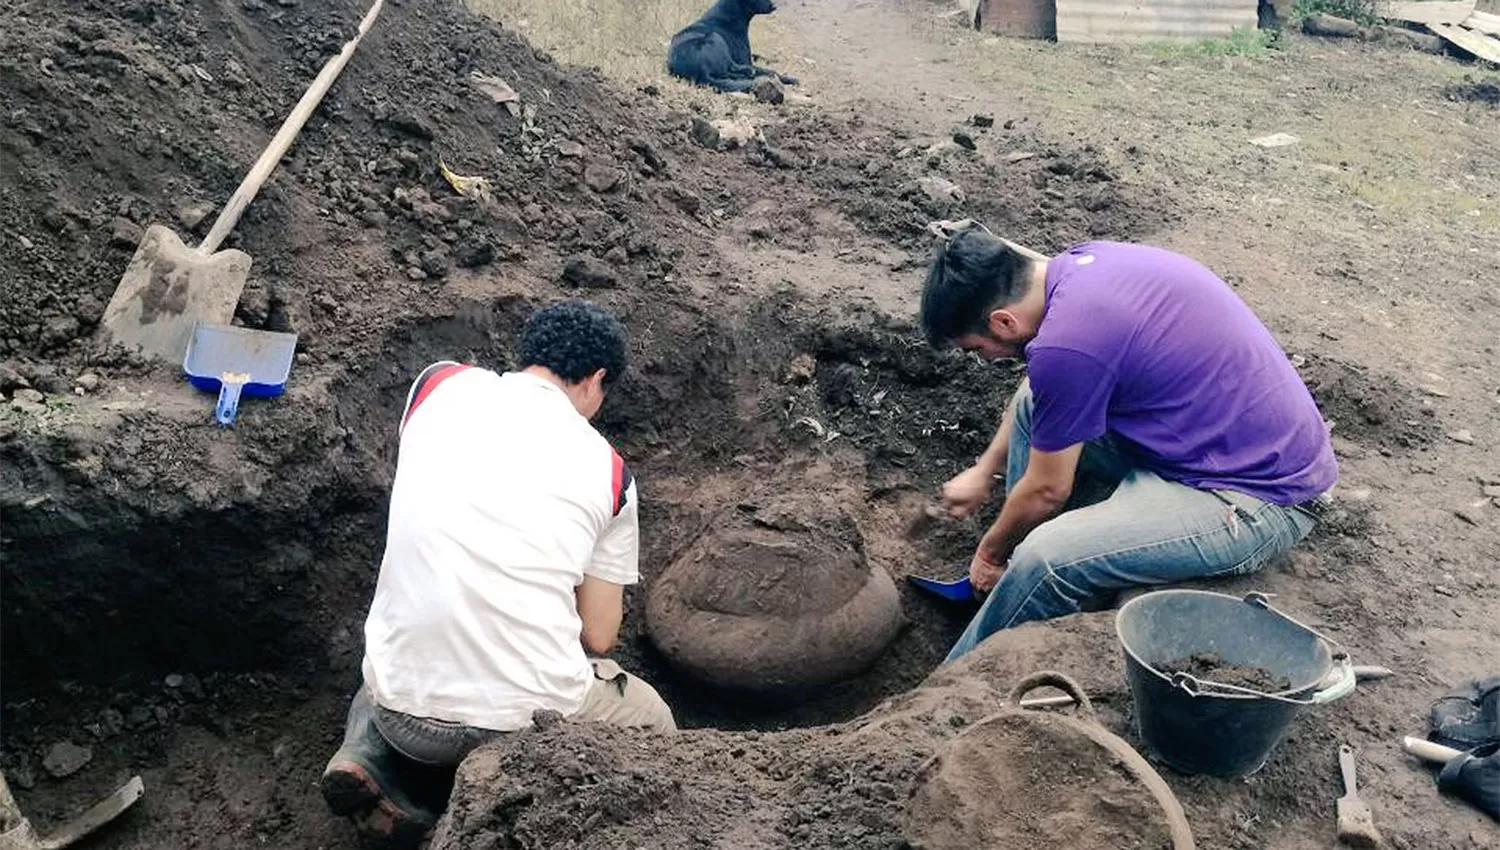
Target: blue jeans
(1149, 531)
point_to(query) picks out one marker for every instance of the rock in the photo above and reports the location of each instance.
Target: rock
(589, 273)
(802, 369)
(569, 148)
(415, 273)
(940, 189)
(173, 681)
(1328, 26)
(602, 178)
(190, 216)
(88, 382)
(768, 90)
(1442, 590)
(777, 598)
(25, 243)
(473, 253)
(964, 140)
(66, 758)
(1492, 491)
(11, 380)
(617, 256)
(982, 121)
(1469, 516)
(1463, 435)
(125, 233)
(705, 133)
(27, 397)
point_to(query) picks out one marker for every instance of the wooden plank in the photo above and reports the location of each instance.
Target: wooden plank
(1428, 11)
(1483, 46)
(1484, 22)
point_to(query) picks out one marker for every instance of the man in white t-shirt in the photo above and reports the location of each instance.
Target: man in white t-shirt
(512, 534)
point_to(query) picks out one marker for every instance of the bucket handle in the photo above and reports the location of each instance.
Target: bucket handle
(1338, 689)
(1052, 679)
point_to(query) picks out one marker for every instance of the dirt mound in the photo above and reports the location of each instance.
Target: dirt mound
(1030, 780)
(1481, 92)
(1369, 408)
(775, 597)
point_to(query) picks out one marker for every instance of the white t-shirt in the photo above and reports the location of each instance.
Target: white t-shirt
(505, 498)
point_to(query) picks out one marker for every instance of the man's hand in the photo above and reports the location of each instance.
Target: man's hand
(984, 574)
(967, 491)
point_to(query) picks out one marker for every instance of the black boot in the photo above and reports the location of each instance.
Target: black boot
(361, 782)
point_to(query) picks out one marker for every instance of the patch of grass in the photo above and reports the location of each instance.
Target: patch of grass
(1242, 41)
(1361, 12)
(627, 39)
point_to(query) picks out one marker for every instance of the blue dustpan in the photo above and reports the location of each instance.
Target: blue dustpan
(238, 361)
(957, 590)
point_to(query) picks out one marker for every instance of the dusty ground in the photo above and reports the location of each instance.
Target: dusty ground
(141, 543)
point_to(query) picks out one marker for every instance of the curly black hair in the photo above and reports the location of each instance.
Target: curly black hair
(574, 339)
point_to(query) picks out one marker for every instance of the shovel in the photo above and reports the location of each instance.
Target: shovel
(168, 287)
(16, 832)
(956, 590)
(238, 361)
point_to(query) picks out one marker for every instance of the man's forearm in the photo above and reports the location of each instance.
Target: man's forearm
(1027, 507)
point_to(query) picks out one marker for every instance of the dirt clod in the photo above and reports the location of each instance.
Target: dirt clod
(768, 90)
(589, 273)
(66, 758)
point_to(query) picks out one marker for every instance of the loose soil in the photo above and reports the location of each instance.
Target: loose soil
(1211, 667)
(187, 601)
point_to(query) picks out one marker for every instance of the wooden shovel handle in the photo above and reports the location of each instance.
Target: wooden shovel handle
(283, 139)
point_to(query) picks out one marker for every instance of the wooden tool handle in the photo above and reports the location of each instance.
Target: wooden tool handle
(283, 139)
(1428, 751)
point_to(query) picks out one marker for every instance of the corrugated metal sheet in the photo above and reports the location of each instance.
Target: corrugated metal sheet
(1100, 21)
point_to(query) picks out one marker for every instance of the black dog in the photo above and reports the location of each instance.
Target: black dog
(715, 49)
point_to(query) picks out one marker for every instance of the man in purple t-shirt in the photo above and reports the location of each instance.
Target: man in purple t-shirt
(1147, 373)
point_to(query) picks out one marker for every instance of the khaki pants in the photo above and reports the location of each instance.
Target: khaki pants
(614, 697)
(621, 699)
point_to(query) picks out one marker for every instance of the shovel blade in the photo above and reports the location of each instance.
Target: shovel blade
(169, 287)
(102, 813)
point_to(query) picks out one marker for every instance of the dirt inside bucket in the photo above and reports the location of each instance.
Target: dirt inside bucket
(1211, 667)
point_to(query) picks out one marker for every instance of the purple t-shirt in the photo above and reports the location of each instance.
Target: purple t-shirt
(1155, 350)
